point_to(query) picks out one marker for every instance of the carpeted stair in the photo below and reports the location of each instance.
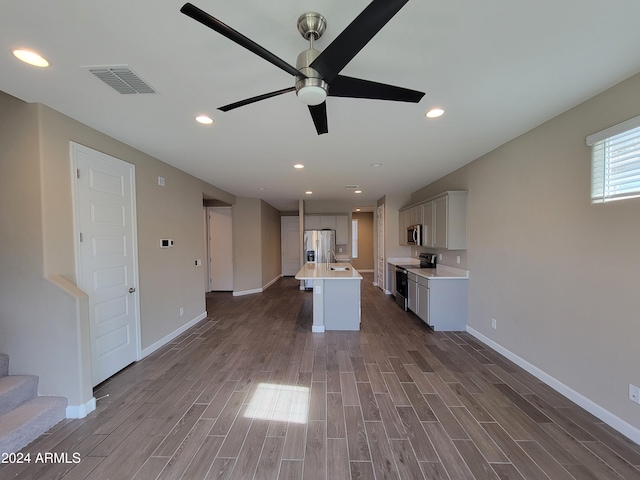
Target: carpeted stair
(24, 416)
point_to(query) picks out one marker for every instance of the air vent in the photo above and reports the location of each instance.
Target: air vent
(122, 79)
(351, 187)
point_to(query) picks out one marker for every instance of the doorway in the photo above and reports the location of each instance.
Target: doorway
(220, 246)
(365, 261)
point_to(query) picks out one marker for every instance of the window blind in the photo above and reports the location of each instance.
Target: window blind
(615, 170)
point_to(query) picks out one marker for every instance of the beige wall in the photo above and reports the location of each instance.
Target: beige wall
(256, 245)
(39, 321)
(38, 327)
(365, 260)
(559, 274)
(271, 239)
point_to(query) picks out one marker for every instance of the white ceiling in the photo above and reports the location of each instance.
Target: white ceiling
(498, 68)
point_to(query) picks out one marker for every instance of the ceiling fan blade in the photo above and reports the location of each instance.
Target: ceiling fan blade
(319, 115)
(353, 38)
(248, 101)
(223, 29)
(343, 86)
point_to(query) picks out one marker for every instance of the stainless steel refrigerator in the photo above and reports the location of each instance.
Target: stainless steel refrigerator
(319, 247)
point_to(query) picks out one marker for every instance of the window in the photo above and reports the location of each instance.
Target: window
(354, 238)
(615, 162)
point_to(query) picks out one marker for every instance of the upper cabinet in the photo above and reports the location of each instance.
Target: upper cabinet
(339, 223)
(342, 229)
(444, 221)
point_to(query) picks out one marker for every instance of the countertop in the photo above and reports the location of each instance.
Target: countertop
(319, 271)
(443, 272)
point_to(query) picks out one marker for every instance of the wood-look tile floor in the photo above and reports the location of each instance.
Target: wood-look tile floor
(251, 393)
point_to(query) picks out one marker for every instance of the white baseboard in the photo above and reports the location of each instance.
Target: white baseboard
(163, 341)
(81, 411)
(606, 416)
(240, 293)
(317, 328)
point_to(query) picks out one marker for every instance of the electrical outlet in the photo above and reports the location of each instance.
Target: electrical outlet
(494, 323)
(634, 393)
(458, 259)
(181, 311)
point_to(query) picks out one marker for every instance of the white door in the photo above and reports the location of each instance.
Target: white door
(220, 249)
(380, 255)
(107, 266)
(290, 241)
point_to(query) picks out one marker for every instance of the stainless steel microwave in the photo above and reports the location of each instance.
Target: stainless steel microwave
(414, 235)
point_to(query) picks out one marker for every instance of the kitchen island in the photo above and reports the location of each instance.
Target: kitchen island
(336, 295)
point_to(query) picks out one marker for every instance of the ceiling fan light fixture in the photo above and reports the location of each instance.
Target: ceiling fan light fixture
(312, 94)
(434, 113)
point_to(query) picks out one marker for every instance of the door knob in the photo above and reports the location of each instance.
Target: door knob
(131, 290)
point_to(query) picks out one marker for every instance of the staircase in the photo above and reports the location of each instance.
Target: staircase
(24, 416)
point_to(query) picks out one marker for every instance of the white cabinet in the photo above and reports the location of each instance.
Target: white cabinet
(409, 216)
(391, 278)
(443, 219)
(404, 221)
(412, 292)
(415, 214)
(342, 229)
(327, 222)
(312, 222)
(442, 303)
(449, 221)
(427, 224)
(423, 299)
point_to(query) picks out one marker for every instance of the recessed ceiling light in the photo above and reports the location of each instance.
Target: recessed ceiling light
(204, 119)
(308, 192)
(358, 191)
(298, 165)
(434, 113)
(357, 209)
(30, 57)
(375, 165)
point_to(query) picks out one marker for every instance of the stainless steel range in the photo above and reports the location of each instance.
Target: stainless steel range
(427, 260)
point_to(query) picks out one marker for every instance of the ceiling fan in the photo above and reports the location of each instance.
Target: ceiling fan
(318, 73)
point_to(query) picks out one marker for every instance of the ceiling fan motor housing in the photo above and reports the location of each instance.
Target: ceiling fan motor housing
(312, 90)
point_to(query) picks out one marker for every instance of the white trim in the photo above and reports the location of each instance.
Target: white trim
(81, 411)
(317, 328)
(606, 416)
(240, 293)
(163, 341)
(614, 130)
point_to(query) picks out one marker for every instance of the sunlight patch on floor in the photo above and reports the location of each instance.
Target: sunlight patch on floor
(281, 403)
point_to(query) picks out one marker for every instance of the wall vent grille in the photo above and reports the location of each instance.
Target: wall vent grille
(122, 79)
(352, 187)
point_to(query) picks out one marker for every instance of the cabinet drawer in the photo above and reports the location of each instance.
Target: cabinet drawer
(424, 281)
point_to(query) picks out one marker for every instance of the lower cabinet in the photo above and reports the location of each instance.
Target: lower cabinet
(440, 303)
(412, 293)
(423, 300)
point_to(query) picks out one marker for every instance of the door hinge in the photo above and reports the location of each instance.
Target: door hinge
(81, 237)
(78, 173)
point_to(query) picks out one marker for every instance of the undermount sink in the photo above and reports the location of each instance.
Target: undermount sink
(338, 268)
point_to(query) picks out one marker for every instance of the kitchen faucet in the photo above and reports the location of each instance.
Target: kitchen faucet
(329, 257)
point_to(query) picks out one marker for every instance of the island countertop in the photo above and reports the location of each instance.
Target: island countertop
(319, 271)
